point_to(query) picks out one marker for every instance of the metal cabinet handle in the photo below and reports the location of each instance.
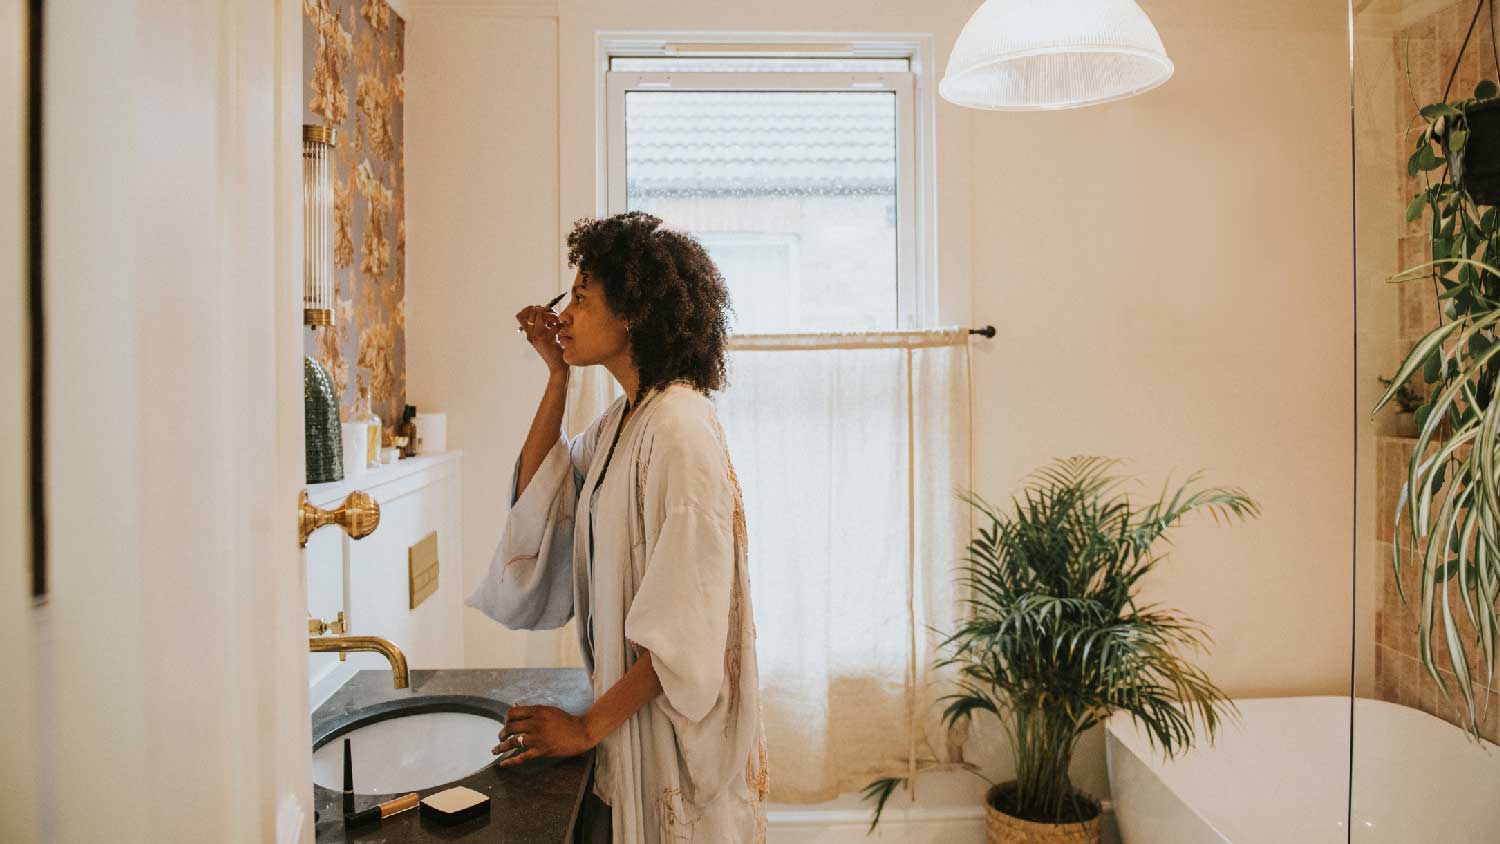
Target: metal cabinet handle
(359, 515)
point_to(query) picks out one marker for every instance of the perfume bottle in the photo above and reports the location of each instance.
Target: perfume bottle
(372, 430)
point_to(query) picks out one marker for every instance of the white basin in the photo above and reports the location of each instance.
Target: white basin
(409, 752)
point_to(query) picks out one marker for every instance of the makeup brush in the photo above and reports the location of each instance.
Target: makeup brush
(548, 306)
(384, 810)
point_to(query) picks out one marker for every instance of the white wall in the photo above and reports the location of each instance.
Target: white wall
(1170, 276)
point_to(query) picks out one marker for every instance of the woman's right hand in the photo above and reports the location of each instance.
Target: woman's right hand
(541, 326)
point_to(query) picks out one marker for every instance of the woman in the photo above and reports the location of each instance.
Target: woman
(653, 565)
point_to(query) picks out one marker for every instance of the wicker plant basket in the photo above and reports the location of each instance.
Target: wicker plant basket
(1000, 828)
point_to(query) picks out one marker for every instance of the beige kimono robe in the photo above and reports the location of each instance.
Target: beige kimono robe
(668, 574)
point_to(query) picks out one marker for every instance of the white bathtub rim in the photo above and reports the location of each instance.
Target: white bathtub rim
(1114, 743)
(1152, 757)
(1153, 753)
(1369, 714)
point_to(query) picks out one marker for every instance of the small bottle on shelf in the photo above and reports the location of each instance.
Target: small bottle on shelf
(408, 431)
(372, 430)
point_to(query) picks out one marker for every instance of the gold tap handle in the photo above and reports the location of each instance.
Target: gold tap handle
(317, 627)
(359, 515)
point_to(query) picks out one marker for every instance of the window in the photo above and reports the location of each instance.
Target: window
(808, 180)
(798, 173)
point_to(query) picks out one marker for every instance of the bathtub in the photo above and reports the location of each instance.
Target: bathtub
(1279, 775)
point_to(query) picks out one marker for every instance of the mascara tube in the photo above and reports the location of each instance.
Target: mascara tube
(348, 781)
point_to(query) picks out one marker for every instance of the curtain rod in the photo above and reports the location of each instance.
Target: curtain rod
(987, 331)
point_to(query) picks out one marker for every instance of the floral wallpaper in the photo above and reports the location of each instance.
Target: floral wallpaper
(353, 60)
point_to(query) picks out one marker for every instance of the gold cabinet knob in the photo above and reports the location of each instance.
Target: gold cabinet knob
(359, 515)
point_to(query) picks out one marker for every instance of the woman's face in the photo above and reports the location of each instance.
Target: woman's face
(591, 333)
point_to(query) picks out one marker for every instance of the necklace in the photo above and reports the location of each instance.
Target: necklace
(603, 470)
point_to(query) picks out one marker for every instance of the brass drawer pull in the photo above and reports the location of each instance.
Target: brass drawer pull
(359, 515)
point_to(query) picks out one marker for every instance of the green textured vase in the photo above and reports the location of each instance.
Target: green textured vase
(320, 408)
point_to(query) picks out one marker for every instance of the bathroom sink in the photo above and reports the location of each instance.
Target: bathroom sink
(408, 752)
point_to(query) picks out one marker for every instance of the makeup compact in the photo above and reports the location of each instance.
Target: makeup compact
(455, 805)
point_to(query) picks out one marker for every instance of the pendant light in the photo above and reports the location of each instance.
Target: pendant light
(1034, 55)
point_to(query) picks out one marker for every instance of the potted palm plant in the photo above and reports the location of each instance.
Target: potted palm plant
(1056, 640)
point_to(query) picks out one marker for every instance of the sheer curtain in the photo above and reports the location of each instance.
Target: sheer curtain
(849, 448)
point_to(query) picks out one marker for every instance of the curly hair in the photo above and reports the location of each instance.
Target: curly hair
(664, 286)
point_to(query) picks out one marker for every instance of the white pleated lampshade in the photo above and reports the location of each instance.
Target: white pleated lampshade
(1030, 55)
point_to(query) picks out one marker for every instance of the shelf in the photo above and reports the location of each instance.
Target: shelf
(389, 481)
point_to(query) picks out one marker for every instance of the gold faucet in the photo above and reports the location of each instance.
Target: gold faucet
(374, 644)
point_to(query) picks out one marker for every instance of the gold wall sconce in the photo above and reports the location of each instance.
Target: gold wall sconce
(317, 210)
(359, 515)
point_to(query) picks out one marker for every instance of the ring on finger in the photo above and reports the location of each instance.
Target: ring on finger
(520, 739)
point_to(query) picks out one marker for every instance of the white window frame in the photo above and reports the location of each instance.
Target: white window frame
(787, 240)
(916, 172)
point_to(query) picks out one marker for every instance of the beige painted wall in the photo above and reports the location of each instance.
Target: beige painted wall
(482, 152)
(1170, 276)
(1171, 280)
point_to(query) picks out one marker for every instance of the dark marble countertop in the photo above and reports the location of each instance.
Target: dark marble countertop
(533, 803)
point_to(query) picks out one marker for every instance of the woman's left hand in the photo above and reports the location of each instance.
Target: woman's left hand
(544, 731)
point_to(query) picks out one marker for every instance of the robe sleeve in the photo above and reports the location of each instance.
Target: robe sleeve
(529, 585)
(680, 612)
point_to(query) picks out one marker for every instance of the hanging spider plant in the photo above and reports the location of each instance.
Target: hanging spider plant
(1451, 494)
(1056, 640)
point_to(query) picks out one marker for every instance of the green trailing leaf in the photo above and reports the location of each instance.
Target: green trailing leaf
(881, 791)
(1432, 368)
(1433, 340)
(1415, 207)
(1436, 110)
(1427, 159)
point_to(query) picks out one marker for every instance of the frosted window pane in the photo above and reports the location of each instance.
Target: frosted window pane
(760, 65)
(793, 194)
